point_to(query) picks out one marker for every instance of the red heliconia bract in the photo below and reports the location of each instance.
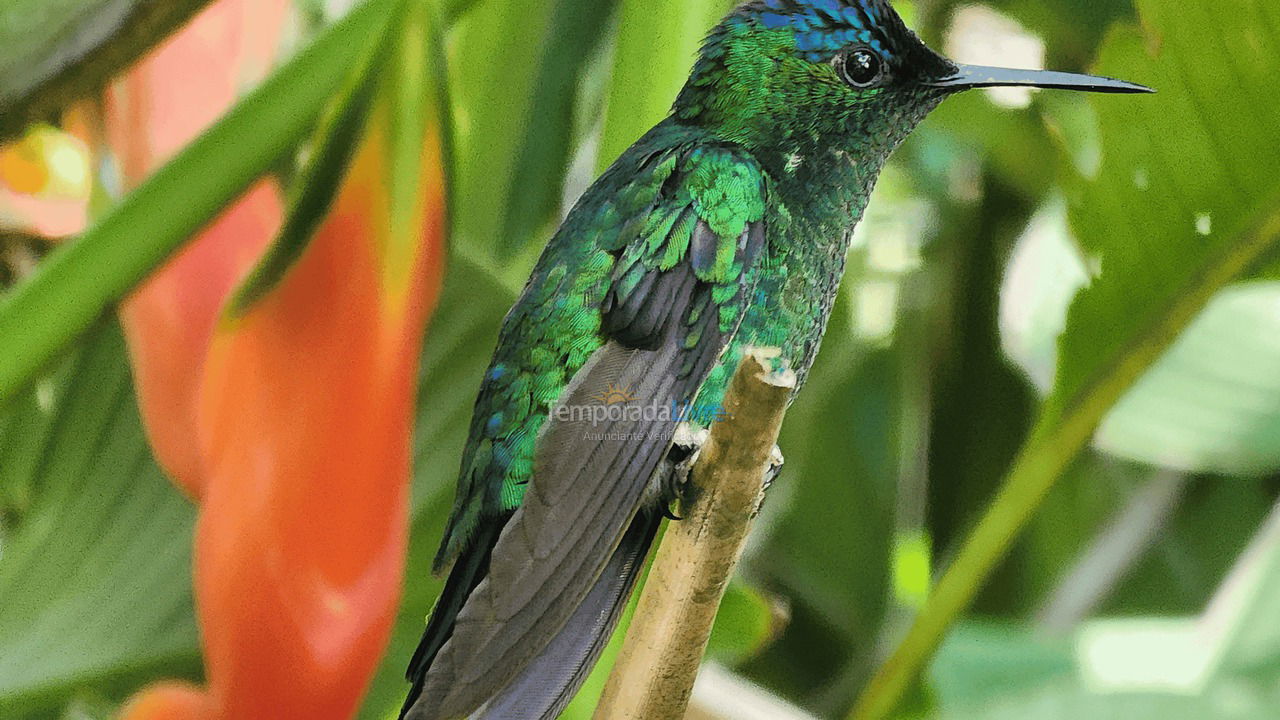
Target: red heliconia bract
(291, 423)
(305, 429)
(168, 701)
(160, 105)
(169, 322)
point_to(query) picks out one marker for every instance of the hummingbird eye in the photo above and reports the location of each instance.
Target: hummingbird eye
(861, 67)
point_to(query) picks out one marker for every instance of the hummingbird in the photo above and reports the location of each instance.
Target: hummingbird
(726, 226)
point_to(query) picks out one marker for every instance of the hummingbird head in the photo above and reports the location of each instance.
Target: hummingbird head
(801, 75)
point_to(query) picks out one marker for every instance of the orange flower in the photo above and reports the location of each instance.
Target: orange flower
(168, 701)
(169, 324)
(44, 183)
(290, 424)
(307, 415)
(158, 107)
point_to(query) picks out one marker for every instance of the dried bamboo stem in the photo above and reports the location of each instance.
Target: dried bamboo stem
(653, 677)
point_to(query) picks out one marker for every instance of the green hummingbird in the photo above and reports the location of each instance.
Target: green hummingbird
(725, 226)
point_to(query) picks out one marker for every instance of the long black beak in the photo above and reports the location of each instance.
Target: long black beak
(978, 76)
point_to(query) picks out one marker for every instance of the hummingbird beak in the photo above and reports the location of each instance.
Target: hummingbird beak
(978, 76)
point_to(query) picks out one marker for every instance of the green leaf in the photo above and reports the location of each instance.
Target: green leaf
(657, 43)
(547, 140)
(106, 531)
(1242, 614)
(1207, 145)
(500, 50)
(80, 280)
(1209, 404)
(1130, 669)
(55, 51)
(979, 660)
(1212, 402)
(1225, 663)
(1186, 194)
(22, 428)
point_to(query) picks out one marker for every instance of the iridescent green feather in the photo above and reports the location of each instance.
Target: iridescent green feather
(637, 220)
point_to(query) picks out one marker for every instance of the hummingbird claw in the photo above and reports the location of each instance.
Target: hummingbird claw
(685, 448)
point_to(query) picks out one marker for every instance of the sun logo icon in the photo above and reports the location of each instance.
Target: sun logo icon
(614, 395)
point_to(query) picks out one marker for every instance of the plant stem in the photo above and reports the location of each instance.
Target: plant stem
(1033, 474)
(654, 675)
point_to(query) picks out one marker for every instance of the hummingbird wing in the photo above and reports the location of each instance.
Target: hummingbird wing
(549, 334)
(681, 228)
(550, 680)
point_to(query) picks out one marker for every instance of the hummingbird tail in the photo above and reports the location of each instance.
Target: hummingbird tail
(467, 572)
(550, 681)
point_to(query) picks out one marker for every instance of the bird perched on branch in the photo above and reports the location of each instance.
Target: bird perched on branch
(725, 226)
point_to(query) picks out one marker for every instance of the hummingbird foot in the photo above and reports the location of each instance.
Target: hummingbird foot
(686, 446)
(771, 473)
(674, 485)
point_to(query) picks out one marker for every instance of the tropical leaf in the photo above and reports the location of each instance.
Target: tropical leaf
(1186, 200)
(547, 141)
(1003, 672)
(105, 530)
(657, 43)
(1223, 663)
(23, 424)
(1210, 404)
(514, 72)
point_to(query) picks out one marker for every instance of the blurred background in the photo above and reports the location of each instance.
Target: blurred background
(1077, 290)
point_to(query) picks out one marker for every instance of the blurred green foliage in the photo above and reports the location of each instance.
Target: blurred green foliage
(94, 562)
(925, 394)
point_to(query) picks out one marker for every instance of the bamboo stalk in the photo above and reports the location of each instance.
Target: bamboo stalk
(654, 675)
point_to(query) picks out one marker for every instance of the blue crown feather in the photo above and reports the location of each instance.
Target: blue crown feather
(822, 27)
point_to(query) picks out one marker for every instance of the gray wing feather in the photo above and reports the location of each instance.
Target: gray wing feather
(549, 682)
(546, 562)
(547, 558)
